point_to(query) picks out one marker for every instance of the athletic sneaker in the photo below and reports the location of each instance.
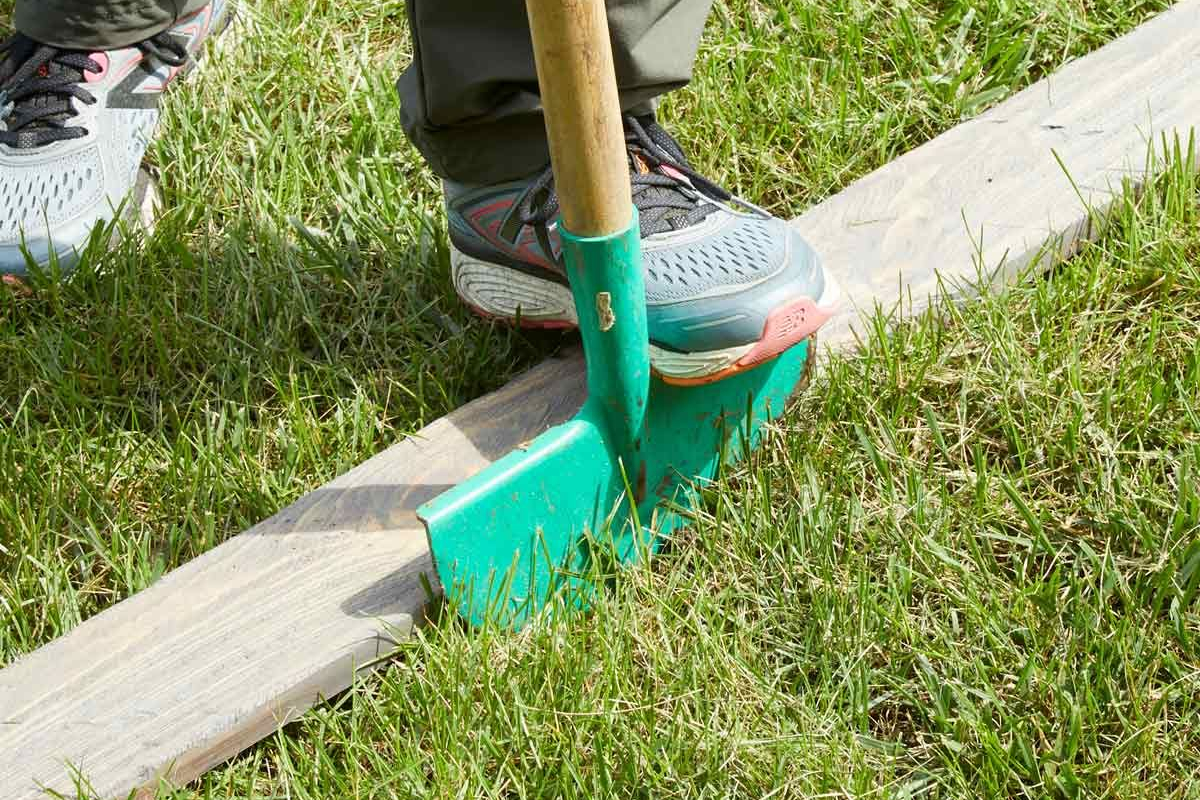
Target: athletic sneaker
(74, 129)
(728, 286)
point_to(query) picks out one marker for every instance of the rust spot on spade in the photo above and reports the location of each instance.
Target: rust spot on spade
(604, 311)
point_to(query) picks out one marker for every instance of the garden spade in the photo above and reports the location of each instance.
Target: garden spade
(610, 483)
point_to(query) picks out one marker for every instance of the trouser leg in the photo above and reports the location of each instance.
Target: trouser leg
(98, 24)
(470, 99)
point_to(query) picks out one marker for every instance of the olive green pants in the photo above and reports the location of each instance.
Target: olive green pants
(469, 100)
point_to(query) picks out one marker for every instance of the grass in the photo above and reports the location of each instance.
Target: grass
(970, 572)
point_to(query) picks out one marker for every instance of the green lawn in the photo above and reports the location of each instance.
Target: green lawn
(970, 568)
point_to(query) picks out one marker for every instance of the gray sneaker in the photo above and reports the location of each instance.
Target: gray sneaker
(74, 129)
(728, 286)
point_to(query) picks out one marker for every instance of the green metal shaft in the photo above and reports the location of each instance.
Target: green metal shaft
(606, 278)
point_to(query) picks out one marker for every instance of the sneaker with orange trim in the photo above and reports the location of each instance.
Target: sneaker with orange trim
(728, 286)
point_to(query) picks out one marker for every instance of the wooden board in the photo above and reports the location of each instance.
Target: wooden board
(225, 649)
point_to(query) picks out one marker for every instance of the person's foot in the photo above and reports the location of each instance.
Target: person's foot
(74, 129)
(728, 286)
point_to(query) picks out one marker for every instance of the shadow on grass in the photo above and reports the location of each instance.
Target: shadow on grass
(185, 386)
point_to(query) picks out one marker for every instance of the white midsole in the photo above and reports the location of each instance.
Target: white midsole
(508, 293)
(697, 365)
(505, 292)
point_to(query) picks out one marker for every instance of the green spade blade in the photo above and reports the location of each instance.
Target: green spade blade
(506, 541)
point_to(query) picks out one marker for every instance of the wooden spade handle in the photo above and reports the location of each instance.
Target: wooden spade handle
(583, 114)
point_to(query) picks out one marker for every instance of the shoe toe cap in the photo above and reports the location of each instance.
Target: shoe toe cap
(42, 246)
(766, 266)
(13, 259)
(51, 206)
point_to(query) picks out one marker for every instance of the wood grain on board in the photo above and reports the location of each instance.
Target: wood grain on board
(225, 649)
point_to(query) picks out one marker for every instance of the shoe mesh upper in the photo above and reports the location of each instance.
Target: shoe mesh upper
(57, 191)
(137, 126)
(744, 252)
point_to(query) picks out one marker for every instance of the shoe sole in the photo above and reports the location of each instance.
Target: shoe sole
(501, 293)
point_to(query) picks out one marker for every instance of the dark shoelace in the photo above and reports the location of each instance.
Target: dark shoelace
(38, 82)
(664, 202)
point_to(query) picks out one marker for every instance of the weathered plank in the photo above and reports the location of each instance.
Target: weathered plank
(222, 651)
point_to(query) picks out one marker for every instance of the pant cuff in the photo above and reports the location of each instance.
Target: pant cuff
(91, 25)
